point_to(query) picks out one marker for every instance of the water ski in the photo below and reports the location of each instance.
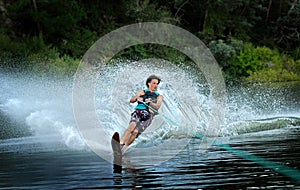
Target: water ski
(117, 153)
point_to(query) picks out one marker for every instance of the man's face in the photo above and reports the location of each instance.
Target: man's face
(153, 85)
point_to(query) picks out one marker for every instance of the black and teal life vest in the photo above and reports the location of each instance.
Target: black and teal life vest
(148, 94)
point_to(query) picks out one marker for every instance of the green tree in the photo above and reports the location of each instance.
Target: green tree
(229, 18)
(287, 28)
(145, 11)
(252, 59)
(224, 50)
(58, 21)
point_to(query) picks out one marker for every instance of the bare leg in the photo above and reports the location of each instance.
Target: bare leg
(132, 137)
(127, 133)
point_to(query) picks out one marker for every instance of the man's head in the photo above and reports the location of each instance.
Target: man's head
(152, 82)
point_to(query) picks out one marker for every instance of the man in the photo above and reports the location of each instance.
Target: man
(149, 101)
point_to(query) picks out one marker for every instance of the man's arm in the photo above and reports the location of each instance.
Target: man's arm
(137, 96)
(158, 103)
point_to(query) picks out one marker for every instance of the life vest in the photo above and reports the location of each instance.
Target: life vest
(148, 94)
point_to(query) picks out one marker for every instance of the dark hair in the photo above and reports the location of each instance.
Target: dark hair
(150, 78)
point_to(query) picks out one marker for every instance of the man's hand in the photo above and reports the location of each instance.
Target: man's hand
(139, 99)
(148, 100)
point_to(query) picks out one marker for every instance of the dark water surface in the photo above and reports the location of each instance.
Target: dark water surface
(27, 165)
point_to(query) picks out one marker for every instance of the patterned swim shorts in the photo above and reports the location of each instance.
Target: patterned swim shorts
(142, 118)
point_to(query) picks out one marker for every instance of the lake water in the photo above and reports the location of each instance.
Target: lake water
(41, 148)
(26, 164)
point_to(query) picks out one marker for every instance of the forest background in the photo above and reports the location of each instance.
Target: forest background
(252, 40)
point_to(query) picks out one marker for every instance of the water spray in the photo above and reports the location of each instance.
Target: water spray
(285, 170)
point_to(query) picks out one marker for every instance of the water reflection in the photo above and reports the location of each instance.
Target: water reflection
(217, 168)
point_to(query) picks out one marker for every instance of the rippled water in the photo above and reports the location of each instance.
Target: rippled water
(257, 148)
(26, 164)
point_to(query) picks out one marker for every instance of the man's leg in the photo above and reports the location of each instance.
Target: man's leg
(127, 133)
(130, 140)
(132, 137)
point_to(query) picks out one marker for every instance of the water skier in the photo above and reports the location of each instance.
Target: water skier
(149, 101)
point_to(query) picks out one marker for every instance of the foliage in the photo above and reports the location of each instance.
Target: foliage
(78, 42)
(296, 53)
(25, 46)
(9, 46)
(55, 33)
(252, 59)
(262, 64)
(287, 28)
(61, 22)
(272, 75)
(292, 66)
(223, 51)
(145, 51)
(141, 11)
(33, 55)
(58, 22)
(229, 18)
